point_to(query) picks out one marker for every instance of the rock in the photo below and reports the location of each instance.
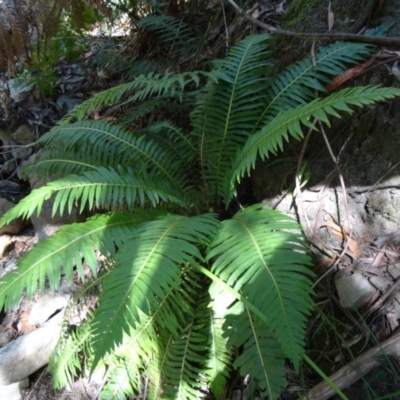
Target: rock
(10, 265)
(5, 137)
(14, 226)
(354, 290)
(9, 186)
(5, 338)
(19, 89)
(23, 135)
(6, 243)
(22, 153)
(394, 270)
(380, 283)
(13, 391)
(9, 167)
(68, 102)
(46, 306)
(28, 353)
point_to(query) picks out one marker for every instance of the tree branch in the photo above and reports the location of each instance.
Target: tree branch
(351, 37)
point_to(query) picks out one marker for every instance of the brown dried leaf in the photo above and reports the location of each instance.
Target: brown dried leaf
(350, 73)
(331, 18)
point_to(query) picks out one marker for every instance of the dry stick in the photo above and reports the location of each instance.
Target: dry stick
(226, 28)
(303, 150)
(382, 299)
(298, 187)
(353, 371)
(339, 172)
(351, 37)
(345, 205)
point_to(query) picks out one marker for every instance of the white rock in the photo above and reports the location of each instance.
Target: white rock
(5, 243)
(354, 290)
(13, 391)
(394, 270)
(47, 305)
(27, 354)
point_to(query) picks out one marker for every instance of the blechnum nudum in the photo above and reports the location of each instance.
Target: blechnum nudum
(181, 288)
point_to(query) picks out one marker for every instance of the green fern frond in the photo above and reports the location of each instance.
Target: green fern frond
(261, 357)
(297, 84)
(218, 360)
(121, 381)
(66, 361)
(175, 140)
(138, 349)
(271, 137)
(145, 269)
(142, 109)
(261, 254)
(103, 188)
(186, 357)
(58, 163)
(99, 143)
(175, 34)
(66, 249)
(143, 87)
(224, 115)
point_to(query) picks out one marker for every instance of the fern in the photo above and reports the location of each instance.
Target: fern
(72, 242)
(270, 139)
(225, 113)
(297, 84)
(262, 357)
(144, 87)
(146, 257)
(102, 144)
(65, 362)
(181, 289)
(173, 32)
(250, 232)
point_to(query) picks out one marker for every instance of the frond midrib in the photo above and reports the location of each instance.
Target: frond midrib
(287, 324)
(264, 369)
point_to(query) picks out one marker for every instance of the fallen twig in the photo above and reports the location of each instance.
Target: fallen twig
(353, 371)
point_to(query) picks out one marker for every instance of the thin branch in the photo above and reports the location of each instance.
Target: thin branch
(351, 37)
(356, 369)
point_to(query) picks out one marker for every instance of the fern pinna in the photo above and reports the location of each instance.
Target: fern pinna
(182, 288)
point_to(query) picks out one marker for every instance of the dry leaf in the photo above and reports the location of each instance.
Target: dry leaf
(350, 73)
(353, 247)
(396, 71)
(331, 18)
(279, 8)
(338, 232)
(387, 54)
(253, 11)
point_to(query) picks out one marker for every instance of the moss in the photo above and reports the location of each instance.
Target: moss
(297, 12)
